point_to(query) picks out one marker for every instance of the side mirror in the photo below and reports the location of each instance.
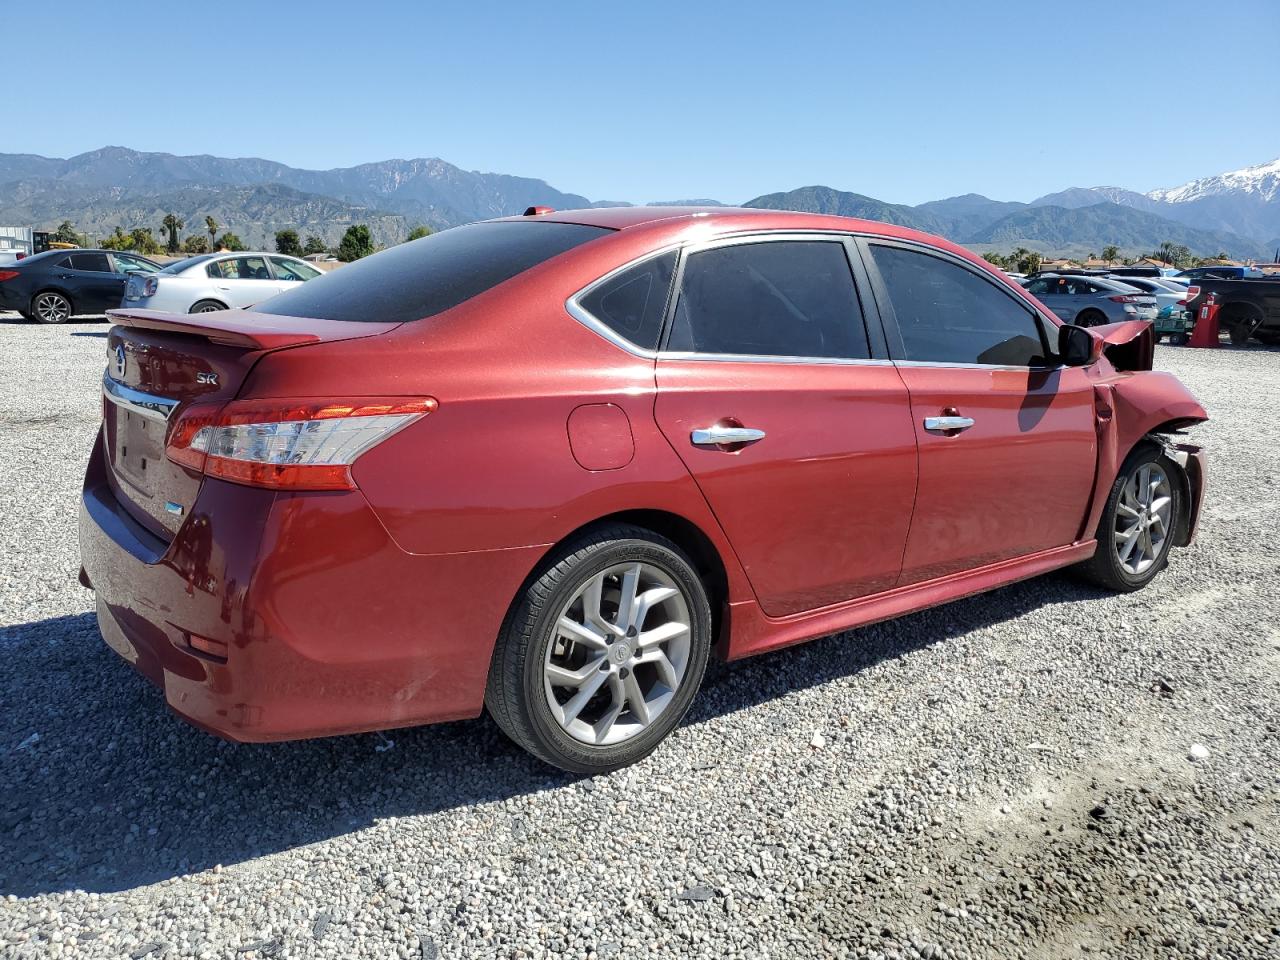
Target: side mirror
(1077, 347)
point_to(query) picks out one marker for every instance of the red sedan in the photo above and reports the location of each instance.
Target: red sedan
(547, 464)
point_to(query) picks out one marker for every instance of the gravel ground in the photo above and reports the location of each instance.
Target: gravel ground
(1010, 775)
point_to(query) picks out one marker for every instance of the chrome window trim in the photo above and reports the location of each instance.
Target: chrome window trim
(769, 358)
(574, 307)
(135, 401)
(946, 365)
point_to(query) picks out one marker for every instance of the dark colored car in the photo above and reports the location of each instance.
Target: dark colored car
(550, 464)
(1248, 308)
(1219, 273)
(54, 286)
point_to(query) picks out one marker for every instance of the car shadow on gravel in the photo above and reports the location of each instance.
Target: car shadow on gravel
(104, 789)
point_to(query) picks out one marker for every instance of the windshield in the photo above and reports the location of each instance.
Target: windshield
(179, 265)
(428, 276)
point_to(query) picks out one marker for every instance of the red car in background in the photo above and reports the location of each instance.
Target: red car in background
(548, 464)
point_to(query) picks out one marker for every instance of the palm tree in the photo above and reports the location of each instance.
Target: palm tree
(212, 225)
(1111, 253)
(172, 226)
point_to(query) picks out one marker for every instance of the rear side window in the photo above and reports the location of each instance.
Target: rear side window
(781, 298)
(431, 275)
(633, 303)
(97, 262)
(947, 314)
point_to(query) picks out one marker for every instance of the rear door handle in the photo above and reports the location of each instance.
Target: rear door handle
(719, 436)
(947, 424)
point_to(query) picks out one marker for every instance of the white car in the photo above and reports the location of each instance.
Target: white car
(217, 281)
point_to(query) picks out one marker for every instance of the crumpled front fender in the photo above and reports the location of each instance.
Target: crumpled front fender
(1130, 407)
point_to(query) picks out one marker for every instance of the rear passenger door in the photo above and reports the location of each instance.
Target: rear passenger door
(790, 417)
(93, 285)
(1006, 435)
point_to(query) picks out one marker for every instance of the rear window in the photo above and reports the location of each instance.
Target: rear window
(428, 276)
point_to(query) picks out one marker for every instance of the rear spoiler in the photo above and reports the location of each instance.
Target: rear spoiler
(253, 331)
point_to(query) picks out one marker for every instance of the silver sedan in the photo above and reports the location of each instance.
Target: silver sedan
(217, 281)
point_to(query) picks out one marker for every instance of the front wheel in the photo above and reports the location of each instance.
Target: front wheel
(603, 653)
(1136, 530)
(207, 306)
(1090, 318)
(1178, 339)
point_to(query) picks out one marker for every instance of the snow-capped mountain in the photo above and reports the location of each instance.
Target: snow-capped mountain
(1262, 181)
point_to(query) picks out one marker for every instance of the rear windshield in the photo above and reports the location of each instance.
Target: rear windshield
(179, 265)
(428, 276)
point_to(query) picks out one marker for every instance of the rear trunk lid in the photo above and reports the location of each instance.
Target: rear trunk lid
(158, 365)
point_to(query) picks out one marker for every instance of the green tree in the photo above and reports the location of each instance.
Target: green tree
(313, 245)
(1222, 255)
(356, 243)
(994, 259)
(230, 241)
(66, 233)
(287, 242)
(1111, 253)
(196, 243)
(211, 228)
(1174, 253)
(172, 227)
(418, 232)
(119, 240)
(143, 240)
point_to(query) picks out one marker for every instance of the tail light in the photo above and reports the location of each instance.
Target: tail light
(1193, 292)
(288, 444)
(150, 286)
(1126, 298)
(1182, 303)
(8, 275)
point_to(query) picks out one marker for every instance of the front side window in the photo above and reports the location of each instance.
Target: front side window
(97, 262)
(633, 303)
(948, 314)
(292, 270)
(780, 298)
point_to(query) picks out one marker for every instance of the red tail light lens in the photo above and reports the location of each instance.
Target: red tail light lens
(1193, 292)
(1125, 298)
(8, 275)
(288, 444)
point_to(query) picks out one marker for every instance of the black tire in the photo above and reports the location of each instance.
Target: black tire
(1239, 333)
(1104, 567)
(25, 315)
(517, 697)
(1178, 339)
(206, 306)
(1090, 318)
(51, 307)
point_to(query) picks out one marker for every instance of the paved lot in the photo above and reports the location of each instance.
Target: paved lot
(1004, 776)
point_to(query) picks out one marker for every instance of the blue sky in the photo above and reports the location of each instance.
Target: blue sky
(904, 101)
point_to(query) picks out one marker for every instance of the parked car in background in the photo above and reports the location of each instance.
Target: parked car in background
(217, 281)
(11, 256)
(359, 507)
(1219, 273)
(1173, 319)
(1090, 300)
(53, 286)
(1247, 308)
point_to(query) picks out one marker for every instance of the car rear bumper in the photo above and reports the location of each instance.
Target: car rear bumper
(328, 626)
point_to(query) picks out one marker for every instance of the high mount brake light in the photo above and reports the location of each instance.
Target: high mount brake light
(288, 444)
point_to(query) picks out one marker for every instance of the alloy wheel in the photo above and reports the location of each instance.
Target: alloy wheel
(1144, 515)
(52, 308)
(620, 651)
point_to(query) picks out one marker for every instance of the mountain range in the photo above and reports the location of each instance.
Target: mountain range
(1236, 212)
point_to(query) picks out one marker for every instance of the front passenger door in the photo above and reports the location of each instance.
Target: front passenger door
(1006, 435)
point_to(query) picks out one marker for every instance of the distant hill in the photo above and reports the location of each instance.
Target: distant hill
(841, 204)
(1238, 212)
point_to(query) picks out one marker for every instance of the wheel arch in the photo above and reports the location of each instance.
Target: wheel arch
(53, 288)
(197, 302)
(683, 532)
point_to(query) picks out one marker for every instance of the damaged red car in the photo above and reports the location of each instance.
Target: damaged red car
(548, 465)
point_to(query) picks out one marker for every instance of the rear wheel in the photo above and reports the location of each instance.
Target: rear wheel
(207, 306)
(1090, 318)
(1239, 333)
(1178, 339)
(49, 306)
(1136, 530)
(603, 652)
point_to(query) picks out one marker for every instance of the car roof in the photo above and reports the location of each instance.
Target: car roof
(675, 223)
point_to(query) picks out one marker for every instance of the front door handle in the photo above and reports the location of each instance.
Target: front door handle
(721, 436)
(949, 425)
